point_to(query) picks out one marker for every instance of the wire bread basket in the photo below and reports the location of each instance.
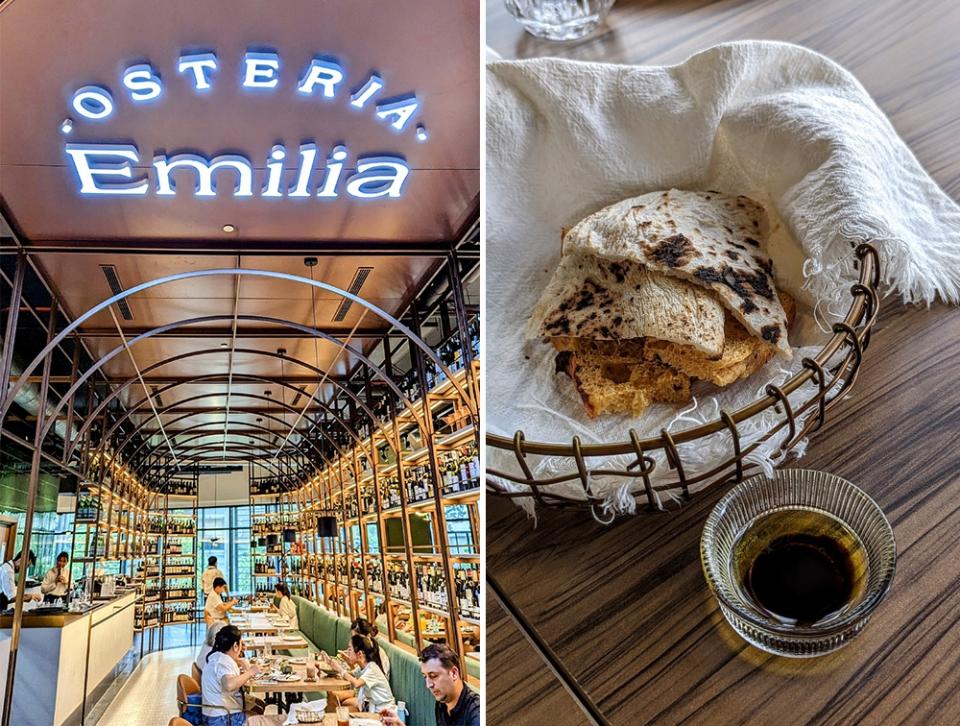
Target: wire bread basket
(823, 381)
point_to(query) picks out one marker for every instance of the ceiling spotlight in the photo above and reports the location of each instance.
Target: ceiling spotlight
(310, 261)
(228, 228)
(67, 126)
(224, 345)
(268, 392)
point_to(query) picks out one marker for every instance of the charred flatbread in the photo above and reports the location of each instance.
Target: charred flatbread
(710, 239)
(591, 298)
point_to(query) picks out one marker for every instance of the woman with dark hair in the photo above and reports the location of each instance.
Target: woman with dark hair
(224, 674)
(362, 626)
(286, 606)
(373, 688)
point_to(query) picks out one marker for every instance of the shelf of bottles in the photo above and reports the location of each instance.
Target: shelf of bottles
(406, 550)
(168, 569)
(107, 537)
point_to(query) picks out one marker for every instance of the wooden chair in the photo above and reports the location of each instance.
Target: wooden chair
(187, 686)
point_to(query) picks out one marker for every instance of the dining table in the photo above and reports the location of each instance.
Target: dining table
(323, 682)
(589, 623)
(284, 693)
(329, 719)
(269, 643)
(260, 623)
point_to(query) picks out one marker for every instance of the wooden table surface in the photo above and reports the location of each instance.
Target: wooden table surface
(625, 608)
(270, 642)
(260, 623)
(323, 682)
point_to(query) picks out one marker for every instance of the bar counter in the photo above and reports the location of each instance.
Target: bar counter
(59, 653)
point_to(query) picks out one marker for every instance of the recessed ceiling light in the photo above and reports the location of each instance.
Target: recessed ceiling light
(224, 345)
(229, 228)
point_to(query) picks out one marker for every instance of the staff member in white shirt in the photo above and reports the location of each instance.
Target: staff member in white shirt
(215, 608)
(56, 583)
(224, 674)
(8, 580)
(210, 574)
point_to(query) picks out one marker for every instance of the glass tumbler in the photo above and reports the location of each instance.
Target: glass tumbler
(559, 19)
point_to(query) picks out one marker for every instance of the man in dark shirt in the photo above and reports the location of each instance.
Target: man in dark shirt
(456, 705)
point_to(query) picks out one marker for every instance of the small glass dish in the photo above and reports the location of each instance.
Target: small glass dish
(808, 499)
(559, 19)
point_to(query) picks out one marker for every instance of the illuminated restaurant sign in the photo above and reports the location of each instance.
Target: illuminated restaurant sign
(109, 168)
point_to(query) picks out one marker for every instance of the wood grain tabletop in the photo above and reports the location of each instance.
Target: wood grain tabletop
(625, 608)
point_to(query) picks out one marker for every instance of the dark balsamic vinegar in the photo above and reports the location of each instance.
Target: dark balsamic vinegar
(802, 577)
(800, 565)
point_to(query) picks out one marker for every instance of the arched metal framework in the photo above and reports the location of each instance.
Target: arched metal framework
(196, 453)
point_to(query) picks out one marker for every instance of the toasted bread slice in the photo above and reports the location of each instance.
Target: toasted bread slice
(743, 353)
(622, 384)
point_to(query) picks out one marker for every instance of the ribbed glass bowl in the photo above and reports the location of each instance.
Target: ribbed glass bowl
(805, 491)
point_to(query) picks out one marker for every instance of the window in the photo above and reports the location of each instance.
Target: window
(224, 533)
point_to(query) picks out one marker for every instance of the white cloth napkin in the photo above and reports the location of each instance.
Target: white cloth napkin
(318, 705)
(774, 121)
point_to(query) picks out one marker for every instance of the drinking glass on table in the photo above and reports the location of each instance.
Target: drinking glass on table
(559, 19)
(343, 716)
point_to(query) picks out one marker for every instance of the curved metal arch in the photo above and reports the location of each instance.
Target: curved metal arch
(185, 416)
(264, 439)
(380, 374)
(415, 339)
(106, 437)
(177, 404)
(243, 377)
(210, 351)
(272, 467)
(200, 458)
(191, 429)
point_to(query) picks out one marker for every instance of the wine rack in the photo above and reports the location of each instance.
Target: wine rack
(392, 557)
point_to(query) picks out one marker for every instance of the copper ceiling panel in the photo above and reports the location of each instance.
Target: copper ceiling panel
(48, 49)
(81, 282)
(150, 351)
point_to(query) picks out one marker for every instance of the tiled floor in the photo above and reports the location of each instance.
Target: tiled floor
(149, 696)
(145, 692)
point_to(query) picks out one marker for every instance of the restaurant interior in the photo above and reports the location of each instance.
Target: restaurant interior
(289, 385)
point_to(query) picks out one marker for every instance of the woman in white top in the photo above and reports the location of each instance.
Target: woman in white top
(208, 642)
(373, 688)
(362, 626)
(286, 606)
(224, 674)
(56, 583)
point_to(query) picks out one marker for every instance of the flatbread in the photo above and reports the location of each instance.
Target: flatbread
(710, 239)
(602, 299)
(618, 384)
